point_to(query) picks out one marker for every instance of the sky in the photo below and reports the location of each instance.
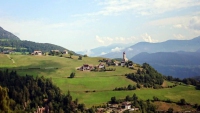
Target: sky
(81, 25)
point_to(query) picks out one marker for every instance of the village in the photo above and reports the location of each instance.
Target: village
(107, 62)
(118, 108)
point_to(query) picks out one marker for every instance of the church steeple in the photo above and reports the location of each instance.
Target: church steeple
(124, 57)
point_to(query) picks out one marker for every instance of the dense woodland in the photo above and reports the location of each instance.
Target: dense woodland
(148, 76)
(26, 93)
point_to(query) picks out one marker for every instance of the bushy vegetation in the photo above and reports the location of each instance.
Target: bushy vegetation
(188, 81)
(148, 76)
(129, 87)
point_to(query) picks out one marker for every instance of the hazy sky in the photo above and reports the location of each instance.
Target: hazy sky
(85, 24)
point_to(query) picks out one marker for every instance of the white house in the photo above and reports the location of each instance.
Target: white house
(65, 52)
(37, 53)
(123, 63)
(126, 105)
(101, 65)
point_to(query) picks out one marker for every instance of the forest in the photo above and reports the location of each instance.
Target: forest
(26, 94)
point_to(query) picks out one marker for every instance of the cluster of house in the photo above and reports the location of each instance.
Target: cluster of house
(124, 62)
(118, 108)
(87, 67)
(56, 51)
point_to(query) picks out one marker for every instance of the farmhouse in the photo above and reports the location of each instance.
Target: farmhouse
(37, 53)
(86, 67)
(65, 52)
(130, 65)
(101, 66)
(126, 105)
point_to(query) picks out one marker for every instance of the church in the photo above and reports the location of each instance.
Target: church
(124, 60)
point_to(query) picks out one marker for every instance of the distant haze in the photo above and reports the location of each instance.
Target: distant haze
(85, 24)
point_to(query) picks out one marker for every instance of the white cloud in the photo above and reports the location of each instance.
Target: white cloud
(89, 52)
(116, 49)
(130, 49)
(103, 53)
(195, 23)
(100, 40)
(179, 36)
(178, 26)
(141, 7)
(109, 40)
(147, 38)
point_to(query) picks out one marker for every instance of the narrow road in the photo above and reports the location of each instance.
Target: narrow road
(10, 58)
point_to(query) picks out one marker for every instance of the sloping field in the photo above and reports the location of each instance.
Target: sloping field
(91, 88)
(5, 61)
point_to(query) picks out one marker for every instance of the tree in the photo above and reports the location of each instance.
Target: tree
(170, 110)
(182, 101)
(80, 57)
(138, 85)
(4, 99)
(113, 99)
(72, 75)
(70, 54)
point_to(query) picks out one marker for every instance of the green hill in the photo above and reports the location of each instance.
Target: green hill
(7, 35)
(91, 88)
(9, 41)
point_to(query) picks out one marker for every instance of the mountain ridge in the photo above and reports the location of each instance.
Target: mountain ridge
(166, 46)
(178, 64)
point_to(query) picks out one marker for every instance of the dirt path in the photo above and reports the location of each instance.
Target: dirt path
(10, 58)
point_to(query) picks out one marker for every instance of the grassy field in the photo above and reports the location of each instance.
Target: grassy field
(99, 84)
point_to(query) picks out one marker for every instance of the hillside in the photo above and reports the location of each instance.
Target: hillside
(7, 35)
(167, 46)
(93, 88)
(8, 41)
(177, 64)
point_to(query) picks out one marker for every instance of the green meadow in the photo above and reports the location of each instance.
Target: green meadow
(91, 88)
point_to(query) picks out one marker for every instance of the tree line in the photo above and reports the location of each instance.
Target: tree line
(187, 81)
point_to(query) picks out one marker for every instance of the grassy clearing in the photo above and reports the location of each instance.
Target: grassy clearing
(167, 83)
(102, 82)
(165, 106)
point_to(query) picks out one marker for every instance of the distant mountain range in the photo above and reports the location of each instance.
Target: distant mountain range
(116, 47)
(198, 50)
(12, 42)
(168, 46)
(178, 64)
